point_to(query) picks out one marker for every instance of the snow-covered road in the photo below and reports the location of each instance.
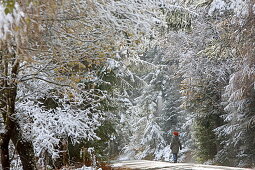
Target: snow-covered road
(155, 165)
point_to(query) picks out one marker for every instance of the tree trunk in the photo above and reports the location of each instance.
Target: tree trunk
(12, 130)
(24, 149)
(5, 151)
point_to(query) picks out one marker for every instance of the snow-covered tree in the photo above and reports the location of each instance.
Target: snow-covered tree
(237, 28)
(72, 70)
(11, 19)
(50, 68)
(154, 114)
(219, 62)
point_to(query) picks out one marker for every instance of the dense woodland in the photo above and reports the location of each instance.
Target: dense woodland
(84, 82)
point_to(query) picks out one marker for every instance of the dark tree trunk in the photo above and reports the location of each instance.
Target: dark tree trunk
(5, 160)
(24, 149)
(12, 130)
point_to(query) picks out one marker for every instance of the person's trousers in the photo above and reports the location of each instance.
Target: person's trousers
(175, 157)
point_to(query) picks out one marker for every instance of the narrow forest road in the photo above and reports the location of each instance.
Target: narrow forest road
(156, 165)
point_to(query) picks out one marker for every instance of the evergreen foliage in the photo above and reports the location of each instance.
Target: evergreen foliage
(88, 81)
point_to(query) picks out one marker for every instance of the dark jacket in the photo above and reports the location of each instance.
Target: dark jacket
(175, 144)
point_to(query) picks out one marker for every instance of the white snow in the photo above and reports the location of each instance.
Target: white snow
(239, 7)
(217, 4)
(7, 20)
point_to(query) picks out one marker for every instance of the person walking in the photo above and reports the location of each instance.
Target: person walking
(175, 146)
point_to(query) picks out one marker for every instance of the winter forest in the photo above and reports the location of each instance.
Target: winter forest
(85, 82)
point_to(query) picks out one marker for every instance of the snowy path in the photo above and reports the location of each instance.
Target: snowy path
(155, 165)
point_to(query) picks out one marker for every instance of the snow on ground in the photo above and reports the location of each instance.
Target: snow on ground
(87, 168)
